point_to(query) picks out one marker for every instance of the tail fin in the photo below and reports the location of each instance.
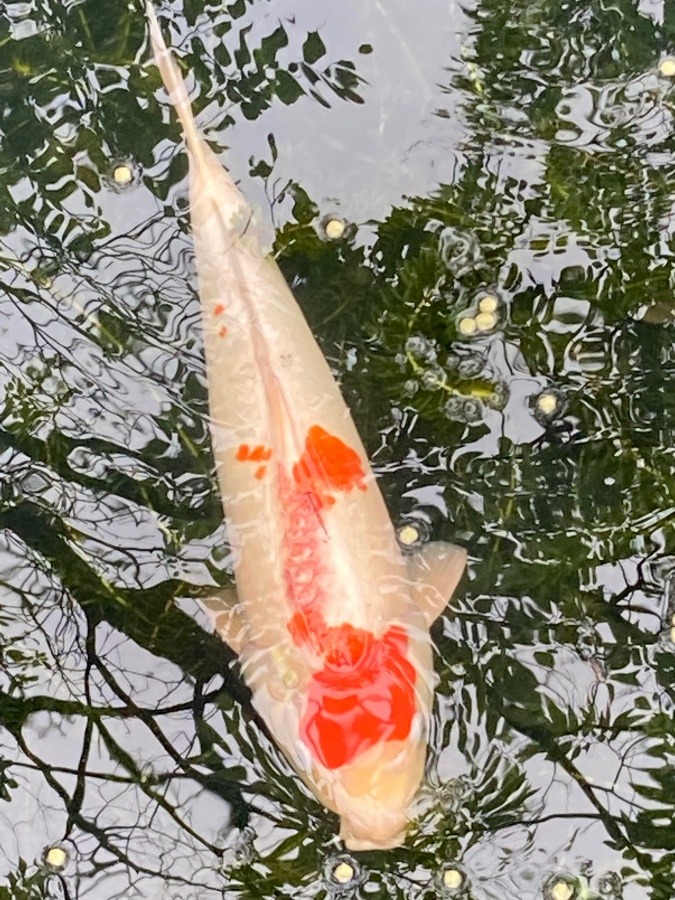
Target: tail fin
(173, 82)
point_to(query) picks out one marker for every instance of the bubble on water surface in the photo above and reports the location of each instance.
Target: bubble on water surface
(421, 348)
(470, 366)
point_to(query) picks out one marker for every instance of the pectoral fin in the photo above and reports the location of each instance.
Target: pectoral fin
(435, 572)
(227, 615)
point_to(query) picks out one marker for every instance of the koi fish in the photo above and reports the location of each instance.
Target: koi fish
(330, 621)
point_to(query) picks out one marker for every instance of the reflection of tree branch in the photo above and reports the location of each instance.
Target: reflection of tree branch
(78, 820)
(556, 754)
(80, 782)
(128, 762)
(229, 792)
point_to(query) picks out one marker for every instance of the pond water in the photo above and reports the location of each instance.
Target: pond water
(499, 309)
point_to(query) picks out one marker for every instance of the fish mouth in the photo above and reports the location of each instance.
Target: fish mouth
(385, 834)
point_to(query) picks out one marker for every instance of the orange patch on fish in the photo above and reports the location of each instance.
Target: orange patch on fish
(327, 463)
(260, 472)
(223, 332)
(363, 694)
(259, 453)
(218, 310)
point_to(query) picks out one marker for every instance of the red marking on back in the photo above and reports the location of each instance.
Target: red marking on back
(223, 331)
(218, 310)
(363, 691)
(363, 695)
(331, 460)
(259, 453)
(260, 472)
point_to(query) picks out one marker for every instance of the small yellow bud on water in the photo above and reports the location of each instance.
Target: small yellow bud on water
(408, 535)
(485, 321)
(467, 325)
(56, 858)
(561, 890)
(334, 229)
(452, 879)
(122, 174)
(343, 873)
(547, 403)
(488, 304)
(667, 67)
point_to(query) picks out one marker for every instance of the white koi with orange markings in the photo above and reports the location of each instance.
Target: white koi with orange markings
(331, 622)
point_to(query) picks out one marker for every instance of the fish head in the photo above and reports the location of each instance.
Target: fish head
(373, 795)
(357, 734)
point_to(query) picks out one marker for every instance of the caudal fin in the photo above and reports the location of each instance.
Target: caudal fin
(173, 82)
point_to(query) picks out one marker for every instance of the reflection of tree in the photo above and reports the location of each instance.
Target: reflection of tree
(109, 516)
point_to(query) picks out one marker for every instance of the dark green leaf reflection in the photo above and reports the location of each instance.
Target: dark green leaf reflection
(498, 306)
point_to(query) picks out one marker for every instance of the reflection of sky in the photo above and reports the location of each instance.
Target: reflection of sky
(361, 159)
(365, 158)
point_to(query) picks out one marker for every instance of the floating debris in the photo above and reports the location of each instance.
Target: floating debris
(56, 858)
(412, 533)
(667, 67)
(342, 871)
(467, 325)
(453, 879)
(489, 303)
(548, 405)
(408, 535)
(411, 387)
(560, 887)
(486, 321)
(123, 174)
(482, 316)
(334, 228)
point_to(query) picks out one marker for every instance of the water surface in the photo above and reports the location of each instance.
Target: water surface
(518, 151)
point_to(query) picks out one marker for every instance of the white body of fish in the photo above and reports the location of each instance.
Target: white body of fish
(330, 620)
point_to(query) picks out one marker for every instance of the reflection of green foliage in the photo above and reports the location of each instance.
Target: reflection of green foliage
(586, 225)
(25, 884)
